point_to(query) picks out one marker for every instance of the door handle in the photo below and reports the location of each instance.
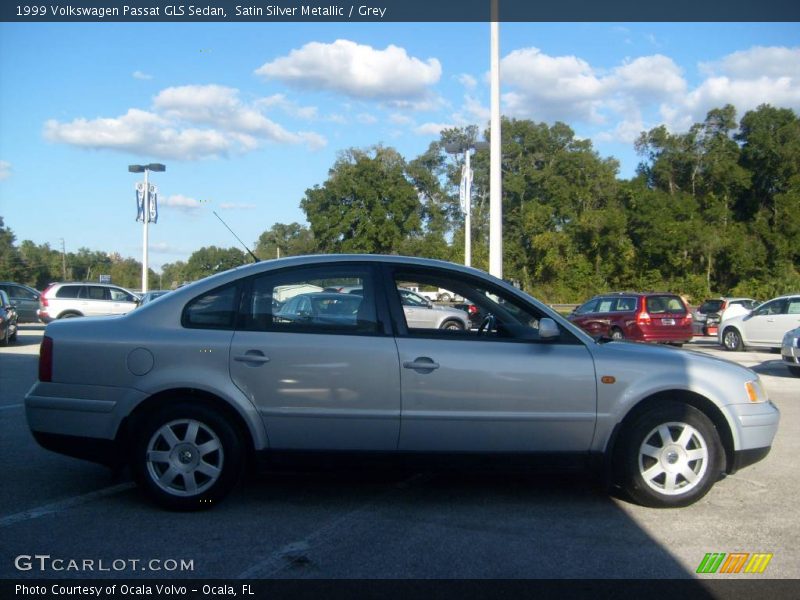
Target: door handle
(252, 356)
(422, 363)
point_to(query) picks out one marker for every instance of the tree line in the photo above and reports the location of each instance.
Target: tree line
(714, 210)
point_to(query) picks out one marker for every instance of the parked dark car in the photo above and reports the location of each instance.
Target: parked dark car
(8, 320)
(26, 300)
(641, 317)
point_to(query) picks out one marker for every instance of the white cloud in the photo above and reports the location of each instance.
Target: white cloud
(188, 123)
(5, 170)
(308, 113)
(141, 75)
(180, 202)
(432, 128)
(468, 81)
(356, 70)
(642, 92)
(400, 119)
(366, 119)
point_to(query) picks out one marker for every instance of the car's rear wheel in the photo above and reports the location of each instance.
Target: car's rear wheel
(70, 315)
(4, 340)
(616, 334)
(672, 456)
(732, 339)
(187, 457)
(795, 371)
(452, 325)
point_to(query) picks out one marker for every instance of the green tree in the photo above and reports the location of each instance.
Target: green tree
(366, 205)
(210, 260)
(285, 240)
(11, 265)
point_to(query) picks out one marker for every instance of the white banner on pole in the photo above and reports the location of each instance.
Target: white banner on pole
(466, 183)
(140, 202)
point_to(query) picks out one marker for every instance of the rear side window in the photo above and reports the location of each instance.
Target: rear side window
(333, 299)
(665, 304)
(626, 304)
(68, 291)
(605, 305)
(216, 309)
(91, 292)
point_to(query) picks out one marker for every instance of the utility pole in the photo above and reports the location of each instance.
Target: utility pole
(63, 260)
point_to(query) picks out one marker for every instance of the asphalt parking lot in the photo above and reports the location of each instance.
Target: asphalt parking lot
(388, 524)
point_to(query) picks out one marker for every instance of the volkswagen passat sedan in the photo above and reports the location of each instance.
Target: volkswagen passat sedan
(188, 388)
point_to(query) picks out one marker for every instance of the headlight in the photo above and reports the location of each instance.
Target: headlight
(755, 392)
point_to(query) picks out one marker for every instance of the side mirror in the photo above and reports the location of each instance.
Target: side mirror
(548, 330)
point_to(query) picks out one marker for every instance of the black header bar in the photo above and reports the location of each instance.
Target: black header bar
(278, 11)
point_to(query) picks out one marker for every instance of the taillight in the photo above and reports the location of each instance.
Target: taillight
(473, 310)
(643, 318)
(687, 320)
(46, 359)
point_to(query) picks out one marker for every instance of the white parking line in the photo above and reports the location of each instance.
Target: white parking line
(338, 528)
(55, 507)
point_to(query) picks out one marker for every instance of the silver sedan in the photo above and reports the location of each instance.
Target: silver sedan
(188, 389)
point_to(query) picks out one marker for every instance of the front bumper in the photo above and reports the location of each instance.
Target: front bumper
(756, 425)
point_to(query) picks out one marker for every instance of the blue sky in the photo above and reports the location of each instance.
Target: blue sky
(248, 116)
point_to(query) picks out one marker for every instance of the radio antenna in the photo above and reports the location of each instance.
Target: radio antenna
(255, 258)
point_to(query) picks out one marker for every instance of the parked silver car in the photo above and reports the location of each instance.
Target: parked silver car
(187, 388)
(68, 300)
(790, 351)
(421, 313)
(762, 328)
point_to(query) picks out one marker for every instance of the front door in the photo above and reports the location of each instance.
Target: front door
(499, 389)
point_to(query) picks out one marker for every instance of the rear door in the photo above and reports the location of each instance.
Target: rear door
(319, 384)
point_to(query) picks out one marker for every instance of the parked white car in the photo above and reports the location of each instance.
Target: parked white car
(762, 328)
(790, 351)
(65, 300)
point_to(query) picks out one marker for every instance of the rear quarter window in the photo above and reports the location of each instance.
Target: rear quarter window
(216, 309)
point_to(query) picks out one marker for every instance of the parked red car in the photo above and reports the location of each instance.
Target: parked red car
(641, 317)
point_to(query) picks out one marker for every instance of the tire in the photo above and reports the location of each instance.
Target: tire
(444, 298)
(732, 340)
(69, 315)
(616, 334)
(187, 457)
(671, 456)
(13, 336)
(452, 325)
(795, 371)
(4, 340)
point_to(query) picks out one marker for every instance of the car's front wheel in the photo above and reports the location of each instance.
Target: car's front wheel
(732, 339)
(187, 457)
(672, 456)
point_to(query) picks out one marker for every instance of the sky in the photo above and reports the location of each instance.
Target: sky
(247, 117)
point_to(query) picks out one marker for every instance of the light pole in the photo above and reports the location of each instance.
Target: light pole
(156, 167)
(495, 178)
(466, 190)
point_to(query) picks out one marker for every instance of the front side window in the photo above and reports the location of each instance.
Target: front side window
(588, 307)
(333, 299)
(774, 307)
(497, 314)
(118, 295)
(216, 309)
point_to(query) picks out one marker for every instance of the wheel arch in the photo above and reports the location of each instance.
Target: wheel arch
(202, 397)
(69, 313)
(698, 401)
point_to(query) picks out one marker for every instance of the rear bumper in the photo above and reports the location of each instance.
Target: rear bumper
(104, 452)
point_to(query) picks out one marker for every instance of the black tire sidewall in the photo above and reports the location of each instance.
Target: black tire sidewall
(233, 454)
(632, 481)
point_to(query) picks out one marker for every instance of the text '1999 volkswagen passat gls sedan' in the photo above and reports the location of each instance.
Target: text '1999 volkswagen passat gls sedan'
(188, 388)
